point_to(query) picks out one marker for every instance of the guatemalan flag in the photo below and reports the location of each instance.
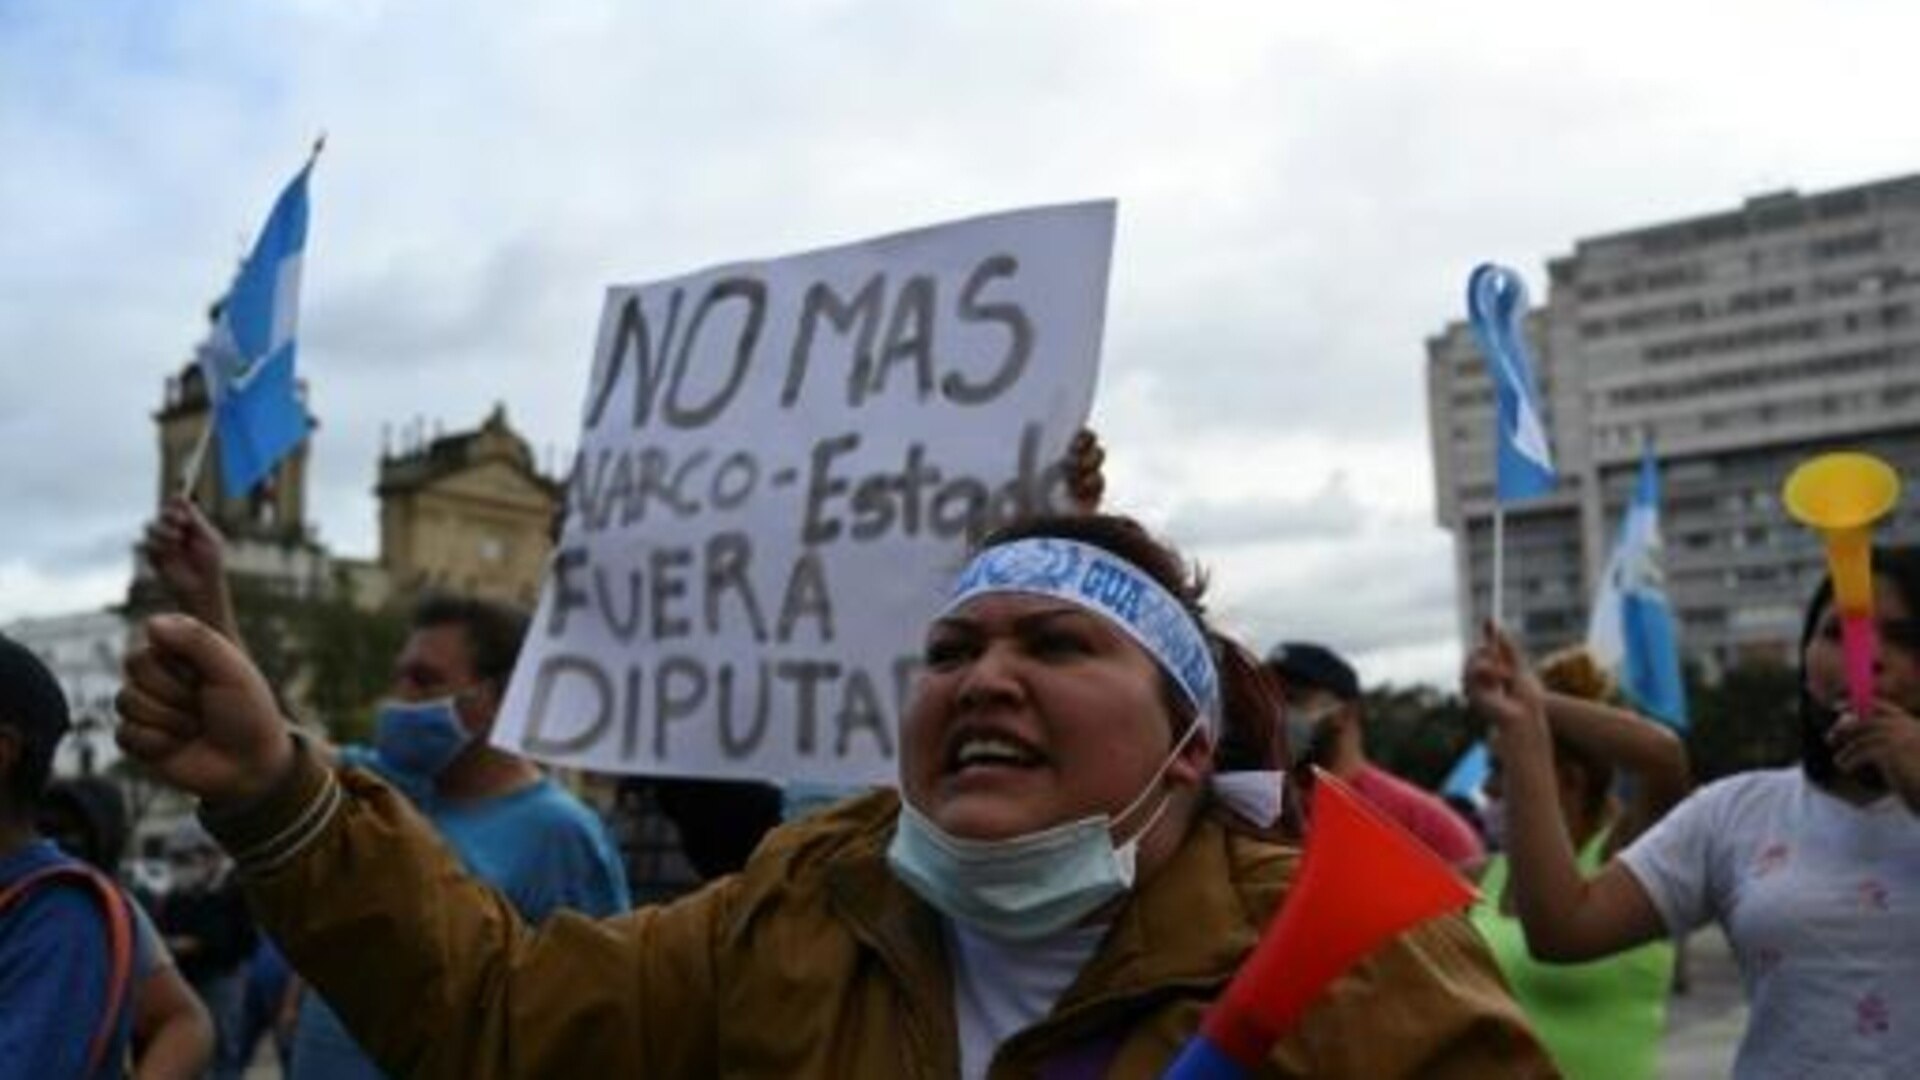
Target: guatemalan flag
(1497, 306)
(248, 358)
(1632, 628)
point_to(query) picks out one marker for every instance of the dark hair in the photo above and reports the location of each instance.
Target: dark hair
(1898, 567)
(493, 630)
(34, 708)
(1249, 699)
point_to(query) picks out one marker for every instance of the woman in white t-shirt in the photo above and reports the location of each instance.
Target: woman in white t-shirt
(1813, 872)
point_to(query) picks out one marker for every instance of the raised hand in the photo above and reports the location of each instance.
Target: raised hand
(189, 555)
(1502, 688)
(1887, 740)
(1086, 482)
(196, 712)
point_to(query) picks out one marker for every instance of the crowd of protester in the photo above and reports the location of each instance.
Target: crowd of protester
(1090, 830)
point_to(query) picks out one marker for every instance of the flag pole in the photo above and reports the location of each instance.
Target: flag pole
(1499, 574)
(197, 459)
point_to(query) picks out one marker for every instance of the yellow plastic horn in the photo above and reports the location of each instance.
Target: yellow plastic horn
(1842, 495)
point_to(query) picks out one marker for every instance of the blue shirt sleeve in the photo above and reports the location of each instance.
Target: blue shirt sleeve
(53, 983)
(608, 874)
(582, 869)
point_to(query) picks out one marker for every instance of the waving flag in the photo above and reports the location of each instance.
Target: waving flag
(248, 358)
(1632, 627)
(1497, 306)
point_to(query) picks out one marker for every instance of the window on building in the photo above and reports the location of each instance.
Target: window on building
(1846, 245)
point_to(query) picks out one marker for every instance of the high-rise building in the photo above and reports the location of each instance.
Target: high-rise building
(1740, 344)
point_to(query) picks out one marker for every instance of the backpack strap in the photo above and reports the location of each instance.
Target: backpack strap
(119, 941)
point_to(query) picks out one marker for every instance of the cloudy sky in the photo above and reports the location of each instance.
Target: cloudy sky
(1302, 190)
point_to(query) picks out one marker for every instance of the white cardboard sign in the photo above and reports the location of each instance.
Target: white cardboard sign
(781, 466)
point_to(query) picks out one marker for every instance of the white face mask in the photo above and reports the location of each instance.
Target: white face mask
(1031, 886)
(1254, 795)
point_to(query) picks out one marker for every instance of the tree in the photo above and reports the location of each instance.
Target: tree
(1747, 720)
(351, 652)
(1418, 732)
(321, 654)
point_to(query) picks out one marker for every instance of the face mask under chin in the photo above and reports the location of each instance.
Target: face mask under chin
(1030, 886)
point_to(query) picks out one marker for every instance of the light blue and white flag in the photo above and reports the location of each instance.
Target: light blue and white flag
(1497, 307)
(1632, 627)
(248, 358)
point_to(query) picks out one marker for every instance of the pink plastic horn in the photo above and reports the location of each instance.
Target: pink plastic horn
(1842, 495)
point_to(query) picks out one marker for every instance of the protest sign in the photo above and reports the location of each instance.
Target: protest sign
(781, 466)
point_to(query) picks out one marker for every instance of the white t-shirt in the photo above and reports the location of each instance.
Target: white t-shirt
(1820, 900)
(1001, 988)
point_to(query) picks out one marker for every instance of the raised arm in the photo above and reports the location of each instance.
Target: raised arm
(432, 972)
(188, 554)
(1567, 917)
(1085, 463)
(1649, 750)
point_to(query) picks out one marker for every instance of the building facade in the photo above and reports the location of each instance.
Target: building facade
(468, 513)
(1738, 344)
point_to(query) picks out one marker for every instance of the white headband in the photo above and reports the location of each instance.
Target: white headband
(1109, 586)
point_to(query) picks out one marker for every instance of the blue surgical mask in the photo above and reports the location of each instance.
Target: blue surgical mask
(1026, 887)
(420, 738)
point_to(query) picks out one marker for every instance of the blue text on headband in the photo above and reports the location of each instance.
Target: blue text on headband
(1111, 587)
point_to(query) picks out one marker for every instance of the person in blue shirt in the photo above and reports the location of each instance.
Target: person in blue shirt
(509, 824)
(65, 931)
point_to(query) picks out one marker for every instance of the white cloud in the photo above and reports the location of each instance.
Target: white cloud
(1302, 189)
(27, 591)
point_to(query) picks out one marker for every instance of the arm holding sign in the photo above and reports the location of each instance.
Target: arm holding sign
(1086, 480)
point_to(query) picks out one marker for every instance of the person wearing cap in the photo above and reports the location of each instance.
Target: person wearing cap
(1064, 881)
(1325, 722)
(66, 933)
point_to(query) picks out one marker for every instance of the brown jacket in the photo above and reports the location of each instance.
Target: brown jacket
(812, 962)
